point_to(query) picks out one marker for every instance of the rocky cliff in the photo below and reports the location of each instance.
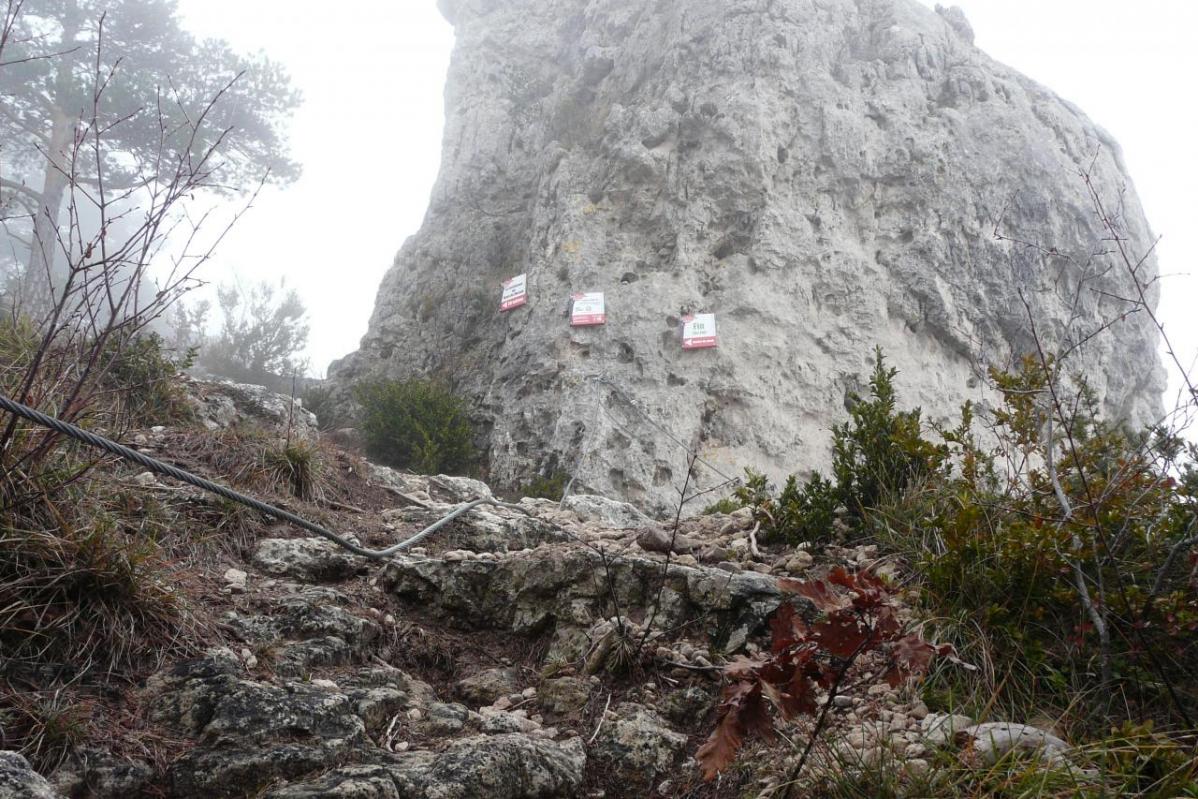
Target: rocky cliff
(485, 664)
(823, 175)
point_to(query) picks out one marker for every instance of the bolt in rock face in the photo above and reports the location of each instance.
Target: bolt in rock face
(822, 175)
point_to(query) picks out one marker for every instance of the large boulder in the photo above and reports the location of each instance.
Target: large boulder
(823, 176)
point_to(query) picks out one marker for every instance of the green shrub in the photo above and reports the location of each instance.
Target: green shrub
(880, 450)
(550, 487)
(726, 505)
(318, 398)
(875, 456)
(1069, 582)
(417, 425)
(297, 465)
(999, 564)
(144, 376)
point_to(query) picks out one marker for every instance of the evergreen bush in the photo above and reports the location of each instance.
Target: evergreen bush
(417, 425)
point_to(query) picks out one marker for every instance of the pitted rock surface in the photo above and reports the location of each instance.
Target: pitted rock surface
(639, 743)
(510, 766)
(19, 781)
(308, 558)
(824, 176)
(563, 590)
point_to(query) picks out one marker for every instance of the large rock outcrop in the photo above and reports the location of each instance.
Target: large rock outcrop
(824, 175)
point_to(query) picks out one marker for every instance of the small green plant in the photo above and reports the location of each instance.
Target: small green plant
(143, 375)
(46, 727)
(296, 465)
(92, 595)
(417, 425)
(318, 398)
(876, 455)
(550, 487)
(726, 506)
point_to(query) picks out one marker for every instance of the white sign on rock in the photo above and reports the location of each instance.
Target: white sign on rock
(588, 309)
(698, 332)
(515, 293)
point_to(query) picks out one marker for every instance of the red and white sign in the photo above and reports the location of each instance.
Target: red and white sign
(515, 293)
(588, 309)
(698, 332)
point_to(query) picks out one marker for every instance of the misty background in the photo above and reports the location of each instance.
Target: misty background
(368, 134)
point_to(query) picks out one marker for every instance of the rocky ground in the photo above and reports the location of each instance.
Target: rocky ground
(525, 651)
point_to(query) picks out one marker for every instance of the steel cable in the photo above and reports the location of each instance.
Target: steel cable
(159, 467)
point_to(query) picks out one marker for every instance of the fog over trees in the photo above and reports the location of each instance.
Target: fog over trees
(104, 101)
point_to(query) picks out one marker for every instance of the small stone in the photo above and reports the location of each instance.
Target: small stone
(918, 711)
(656, 539)
(842, 701)
(415, 714)
(916, 767)
(486, 686)
(993, 740)
(529, 693)
(565, 694)
(743, 516)
(327, 685)
(939, 728)
(248, 657)
(799, 562)
(914, 750)
(146, 480)
(235, 580)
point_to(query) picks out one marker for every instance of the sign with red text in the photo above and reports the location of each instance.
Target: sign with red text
(698, 332)
(588, 309)
(515, 293)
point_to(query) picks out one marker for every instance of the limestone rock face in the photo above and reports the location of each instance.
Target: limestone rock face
(19, 781)
(823, 175)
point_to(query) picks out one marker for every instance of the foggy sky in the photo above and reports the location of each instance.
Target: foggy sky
(369, 133)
